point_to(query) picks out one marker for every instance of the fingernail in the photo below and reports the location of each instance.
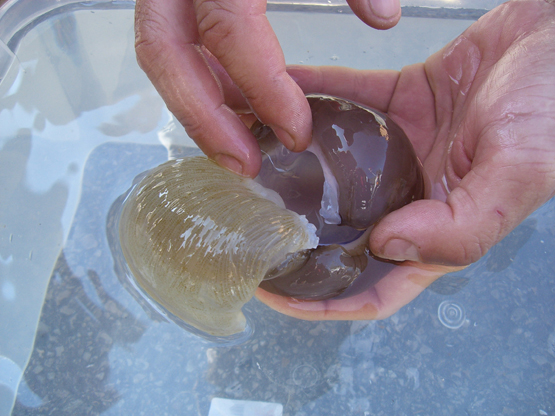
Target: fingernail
(386, 9)
(284, 137)
(229, 162)
(400, 250)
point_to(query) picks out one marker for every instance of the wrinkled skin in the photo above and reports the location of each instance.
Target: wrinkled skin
(196, 51)
(481, 114)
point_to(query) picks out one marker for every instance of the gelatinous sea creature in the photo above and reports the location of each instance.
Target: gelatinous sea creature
(359, 167)
(200, 239)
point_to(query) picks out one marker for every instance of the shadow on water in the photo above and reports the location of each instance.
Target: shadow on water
(82, 319)
(499, 258)
(69, 367)
(503, 254)
(286, 361)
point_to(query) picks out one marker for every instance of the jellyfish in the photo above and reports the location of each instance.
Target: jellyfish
(200, 240)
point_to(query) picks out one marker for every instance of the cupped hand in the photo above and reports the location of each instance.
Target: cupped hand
(481, 115)
(210, 60)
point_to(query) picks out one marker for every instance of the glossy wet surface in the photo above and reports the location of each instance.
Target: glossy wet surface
(98, 351)
(88, 347)
(359, 167)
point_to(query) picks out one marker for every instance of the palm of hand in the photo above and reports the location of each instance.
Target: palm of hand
(481, 115)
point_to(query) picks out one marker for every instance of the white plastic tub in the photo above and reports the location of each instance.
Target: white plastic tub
(78, 120)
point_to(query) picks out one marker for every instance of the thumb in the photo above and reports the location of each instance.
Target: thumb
(380, 14)
(476, 215)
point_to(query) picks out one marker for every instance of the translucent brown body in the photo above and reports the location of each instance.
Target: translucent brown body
(364, 161)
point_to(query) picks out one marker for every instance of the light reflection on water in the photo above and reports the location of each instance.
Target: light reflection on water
(57, 109)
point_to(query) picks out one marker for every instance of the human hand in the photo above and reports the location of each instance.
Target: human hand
(481, 115)
(211, 59)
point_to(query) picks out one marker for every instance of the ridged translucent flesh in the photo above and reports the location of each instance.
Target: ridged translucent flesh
(200, 239)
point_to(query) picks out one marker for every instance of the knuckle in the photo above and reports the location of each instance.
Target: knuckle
(251, 89)
(147, 52)
(215, 22)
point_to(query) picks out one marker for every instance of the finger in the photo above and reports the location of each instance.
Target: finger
(239, 35)
(167, 48)
(372, 88)
(488, 203)
(380, 14)
(403, 284)
(405, 96)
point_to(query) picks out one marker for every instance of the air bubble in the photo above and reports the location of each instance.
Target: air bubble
(451, 314)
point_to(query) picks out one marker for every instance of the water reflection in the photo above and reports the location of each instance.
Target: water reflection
(78, 80)
(83, 321)
(27, 219)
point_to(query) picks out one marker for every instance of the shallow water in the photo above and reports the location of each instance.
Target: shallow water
(78, 120)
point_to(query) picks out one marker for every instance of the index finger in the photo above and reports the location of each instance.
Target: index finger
(240, 36)
(168, 50)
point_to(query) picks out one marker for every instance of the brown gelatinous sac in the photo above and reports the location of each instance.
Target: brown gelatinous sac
(359, 167)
